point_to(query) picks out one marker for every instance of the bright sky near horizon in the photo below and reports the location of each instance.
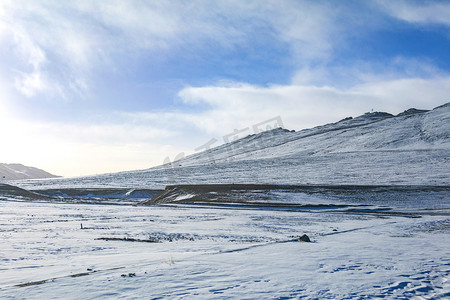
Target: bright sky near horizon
(91, 87)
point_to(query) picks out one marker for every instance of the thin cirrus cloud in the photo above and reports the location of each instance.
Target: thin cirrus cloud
(420, 12)
(142, 80)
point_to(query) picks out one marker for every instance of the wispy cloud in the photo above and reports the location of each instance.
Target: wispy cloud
(360, 71)
(420, 12)
(63, 43)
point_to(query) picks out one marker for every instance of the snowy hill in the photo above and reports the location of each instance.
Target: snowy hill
(410, 130)
(412, 148)
(19, 171)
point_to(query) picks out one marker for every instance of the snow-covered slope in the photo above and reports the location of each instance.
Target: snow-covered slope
(411, 130)
(412, 148)
(19, 171)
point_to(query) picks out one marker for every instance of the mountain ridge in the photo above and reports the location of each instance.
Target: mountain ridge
(18, 171)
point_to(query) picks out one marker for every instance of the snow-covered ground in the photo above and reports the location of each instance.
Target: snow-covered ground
(187, 251)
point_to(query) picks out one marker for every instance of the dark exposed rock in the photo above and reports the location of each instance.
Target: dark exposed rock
(304, 238)
(412, 111)
(346, 119)
(7, 190)
(127, 239)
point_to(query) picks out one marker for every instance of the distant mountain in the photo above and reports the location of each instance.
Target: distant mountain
(19, 171)
(377, 148)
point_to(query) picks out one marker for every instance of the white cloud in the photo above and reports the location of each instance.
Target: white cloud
(303, 106)
(28, 50)
(309, 27)
(418, 11)
(29, 84)
(397, 95)
(360, 71)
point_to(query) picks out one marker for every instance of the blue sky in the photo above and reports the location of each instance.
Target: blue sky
(100, 86)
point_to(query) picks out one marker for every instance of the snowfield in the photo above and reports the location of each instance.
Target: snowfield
(372, 193)
(183, 251)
